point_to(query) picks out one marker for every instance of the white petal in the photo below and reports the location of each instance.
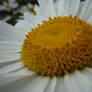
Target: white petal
(88, 72)
(37, 85)
(67, 83)
(6, 18)
(70, 84)
(38, 14)
(3, 38)
(31, 19)
(23, 71)
(60, 85)
(13, 3)
(23, 27)
(81, 6)
(46, 9)
(74, 6)
(86, 10)
(31, 83)
(8, 32)
(51, 85)
(9, 51)
(11, 46)
(59, 7)
(20, 31)
(9, 57)
(11, 67)
(11, 79)
(90, 19)
(23, 9)
(2, 7)
(83, 82)
(65, 7)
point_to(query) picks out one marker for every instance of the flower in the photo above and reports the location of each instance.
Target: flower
(7, 5)
(10, 10)
(16, 51)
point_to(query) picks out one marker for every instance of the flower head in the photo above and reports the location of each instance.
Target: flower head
(56, 44)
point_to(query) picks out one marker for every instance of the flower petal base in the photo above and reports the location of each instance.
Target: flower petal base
(58, 46)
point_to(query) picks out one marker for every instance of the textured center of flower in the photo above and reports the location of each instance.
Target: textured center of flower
(58, 46)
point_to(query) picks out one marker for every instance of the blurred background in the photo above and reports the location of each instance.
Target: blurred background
(11, 10)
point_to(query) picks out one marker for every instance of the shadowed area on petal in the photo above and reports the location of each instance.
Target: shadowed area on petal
(25, 83)
(11, 67)
(7, 32)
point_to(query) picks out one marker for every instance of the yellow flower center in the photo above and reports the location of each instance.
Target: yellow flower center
(58, 46)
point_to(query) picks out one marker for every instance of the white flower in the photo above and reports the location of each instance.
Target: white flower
(14, 77)
(26, 8)
(13, 4)
(8, 5)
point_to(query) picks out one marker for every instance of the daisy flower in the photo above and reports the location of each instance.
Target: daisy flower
(56, 53)
(7, 5)
(11, 10)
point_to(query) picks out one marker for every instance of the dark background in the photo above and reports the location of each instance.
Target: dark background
(15, 16)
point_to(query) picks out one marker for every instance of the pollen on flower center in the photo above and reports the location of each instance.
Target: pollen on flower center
(58, 46)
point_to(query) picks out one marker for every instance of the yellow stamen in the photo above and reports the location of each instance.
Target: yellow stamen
(7, 6)
(58, 46)
(32, 10)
